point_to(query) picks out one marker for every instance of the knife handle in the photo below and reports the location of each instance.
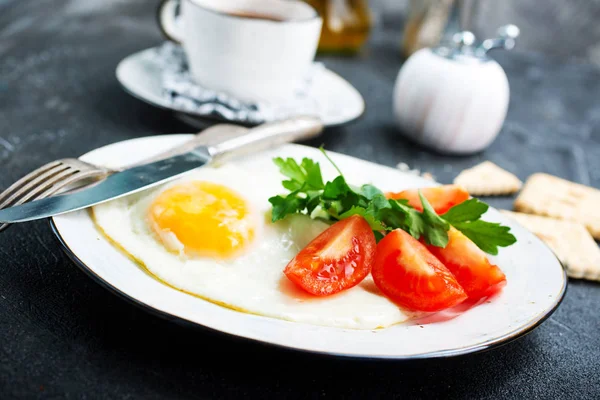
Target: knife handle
(210, 136)
(266, 136)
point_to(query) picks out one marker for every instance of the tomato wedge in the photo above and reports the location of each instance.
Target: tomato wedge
(441, 198)
(469, 265)
(338, 259)
(408, 274)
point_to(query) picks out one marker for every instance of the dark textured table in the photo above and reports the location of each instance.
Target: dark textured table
(64, 336)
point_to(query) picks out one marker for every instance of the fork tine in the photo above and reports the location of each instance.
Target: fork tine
(60, 183)
(27, 178)
(79, 175)
(37, 183)
(46, 185)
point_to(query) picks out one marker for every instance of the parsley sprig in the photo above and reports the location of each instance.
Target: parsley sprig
(488, 236)
(335, 200)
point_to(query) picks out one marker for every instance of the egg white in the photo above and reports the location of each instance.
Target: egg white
(253, 281)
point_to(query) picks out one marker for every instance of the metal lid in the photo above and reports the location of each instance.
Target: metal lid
(464, 44)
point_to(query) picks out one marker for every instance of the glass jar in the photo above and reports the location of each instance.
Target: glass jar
(346, 24)
(425, 25)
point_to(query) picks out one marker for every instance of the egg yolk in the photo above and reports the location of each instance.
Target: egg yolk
(206, 218)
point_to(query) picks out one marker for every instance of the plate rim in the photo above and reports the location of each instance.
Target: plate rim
(486, 346)
(213, 118)
(479, 347)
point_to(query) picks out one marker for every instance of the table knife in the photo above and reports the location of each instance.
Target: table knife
(145, 176)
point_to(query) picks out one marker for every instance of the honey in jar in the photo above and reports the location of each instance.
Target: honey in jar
(346, 25)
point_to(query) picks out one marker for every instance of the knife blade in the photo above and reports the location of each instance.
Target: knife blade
(117, 185)
(149, 175)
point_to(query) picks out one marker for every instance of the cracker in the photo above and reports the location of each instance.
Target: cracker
(570, 241)
(488, 179)
(551, 196)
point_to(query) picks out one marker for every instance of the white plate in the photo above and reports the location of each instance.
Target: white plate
(536, 280)
(140, 75)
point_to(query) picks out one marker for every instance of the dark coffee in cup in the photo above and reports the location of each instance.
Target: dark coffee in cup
(256, 15)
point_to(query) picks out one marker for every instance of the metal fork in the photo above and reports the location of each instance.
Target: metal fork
(70, 174)
(48, 180)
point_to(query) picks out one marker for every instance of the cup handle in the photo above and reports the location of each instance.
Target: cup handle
(166, 14)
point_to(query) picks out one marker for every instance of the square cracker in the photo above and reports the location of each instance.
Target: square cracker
(488, 179)
(570, 241)
(554, 197)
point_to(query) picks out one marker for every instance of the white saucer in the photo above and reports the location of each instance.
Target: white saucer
(140, 74)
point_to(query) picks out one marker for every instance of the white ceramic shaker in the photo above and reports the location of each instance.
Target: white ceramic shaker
(453, 98)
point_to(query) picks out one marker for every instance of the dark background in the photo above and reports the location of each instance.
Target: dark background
(64, 336)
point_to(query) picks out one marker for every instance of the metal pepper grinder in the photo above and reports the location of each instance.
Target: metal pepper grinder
(453, 97)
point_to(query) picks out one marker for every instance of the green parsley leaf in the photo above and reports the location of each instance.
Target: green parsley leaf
(336, 188)
(313, 200)
(370, 191)
(436, 229)
(290, 168)
(306, 176)
(313, 178)
(469, 210)
(292, 185)
(371, 213)
(339, 190)
(405, 217)
(282, 206)
(488, 236)
(370, 218)
(378, 203)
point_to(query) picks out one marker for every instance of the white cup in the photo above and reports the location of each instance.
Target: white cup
(247, 58)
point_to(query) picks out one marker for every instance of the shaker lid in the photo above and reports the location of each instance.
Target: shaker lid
(464, 44)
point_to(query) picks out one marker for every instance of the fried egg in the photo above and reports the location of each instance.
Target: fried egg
(210, 234)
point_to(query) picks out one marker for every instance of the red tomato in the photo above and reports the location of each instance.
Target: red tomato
(441, 198)
(339, 258)
(469, 265)
(407, 273)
